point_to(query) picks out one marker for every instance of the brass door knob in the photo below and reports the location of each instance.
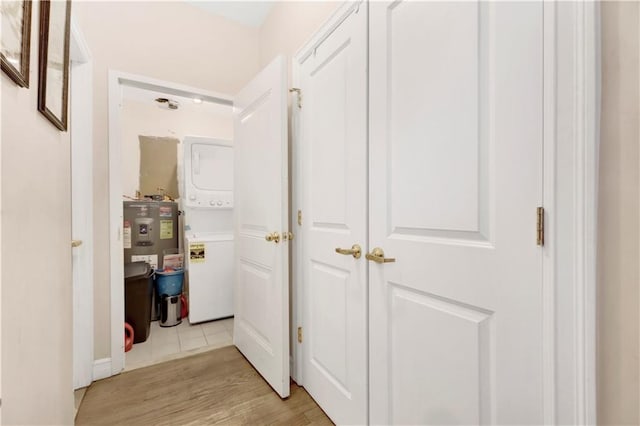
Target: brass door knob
(273, 237)
(377, 255)
(76, 243)
(287, 235)
(355, 251)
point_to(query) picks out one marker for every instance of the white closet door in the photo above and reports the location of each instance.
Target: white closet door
(261, 327)
(455, 180)
(334, 141)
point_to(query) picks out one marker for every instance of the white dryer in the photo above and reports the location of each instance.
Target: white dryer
(207, 173)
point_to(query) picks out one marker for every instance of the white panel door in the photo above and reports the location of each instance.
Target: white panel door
(334, 142)
(455, 180)
(261, 327)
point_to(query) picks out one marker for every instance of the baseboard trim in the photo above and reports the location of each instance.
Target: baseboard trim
(101, 368)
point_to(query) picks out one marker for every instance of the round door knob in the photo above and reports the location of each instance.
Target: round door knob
(273, 237)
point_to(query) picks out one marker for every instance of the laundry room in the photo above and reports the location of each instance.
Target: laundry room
(177, 205)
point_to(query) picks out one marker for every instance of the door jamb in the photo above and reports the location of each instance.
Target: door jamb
(118, 79)
(571, 60)
(295, 370)
(81, 130)
(571, 137)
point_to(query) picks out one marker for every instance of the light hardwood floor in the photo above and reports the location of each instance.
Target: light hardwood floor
(216, 387)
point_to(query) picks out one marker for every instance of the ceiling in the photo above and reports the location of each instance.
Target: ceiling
(251, 13)
(148, 97)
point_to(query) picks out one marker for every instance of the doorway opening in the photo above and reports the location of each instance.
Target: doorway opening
(150, 126)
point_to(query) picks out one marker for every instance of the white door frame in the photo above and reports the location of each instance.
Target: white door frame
(571, 132)
(81, 128)
(117, 80)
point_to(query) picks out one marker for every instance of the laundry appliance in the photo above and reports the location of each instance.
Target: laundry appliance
(209, 263)
(206, 200)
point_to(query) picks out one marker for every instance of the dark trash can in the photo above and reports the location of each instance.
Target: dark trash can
(138, 288)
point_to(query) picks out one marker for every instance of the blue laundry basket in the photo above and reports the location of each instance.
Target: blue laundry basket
(169, 282)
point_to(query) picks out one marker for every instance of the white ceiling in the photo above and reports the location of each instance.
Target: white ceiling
(186, 103)
(251, 13)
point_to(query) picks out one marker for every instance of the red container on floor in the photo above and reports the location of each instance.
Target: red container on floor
(128, 337)
(184, 311)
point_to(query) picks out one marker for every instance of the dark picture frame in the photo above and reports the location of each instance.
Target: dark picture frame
(53, 75)
(16, 40)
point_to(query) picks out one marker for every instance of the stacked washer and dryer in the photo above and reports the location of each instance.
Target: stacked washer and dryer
(206, 198)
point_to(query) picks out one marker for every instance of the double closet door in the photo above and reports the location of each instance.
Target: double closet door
(421, 134)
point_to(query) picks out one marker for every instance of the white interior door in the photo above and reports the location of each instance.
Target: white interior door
(81, 208)
(334, 143)
(455, 180)
(261, 327)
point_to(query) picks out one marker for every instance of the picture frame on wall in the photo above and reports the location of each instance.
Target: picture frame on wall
(15, 40)
(53, 75)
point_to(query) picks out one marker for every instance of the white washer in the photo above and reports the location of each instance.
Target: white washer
(209, 264)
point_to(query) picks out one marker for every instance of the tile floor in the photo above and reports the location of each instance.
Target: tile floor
(168, 343)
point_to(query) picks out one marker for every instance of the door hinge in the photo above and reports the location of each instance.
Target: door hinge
(299, 334)
(299, 93)
(540, 226)
(300, 217)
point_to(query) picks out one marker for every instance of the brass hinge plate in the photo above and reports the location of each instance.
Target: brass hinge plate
(300, 217)
(540, 226)
(299, 93)
(299, 334)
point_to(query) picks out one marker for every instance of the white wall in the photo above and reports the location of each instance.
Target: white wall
(36, 258)
(289, 25)
(619, 218)
(144, 118)
(171, 41)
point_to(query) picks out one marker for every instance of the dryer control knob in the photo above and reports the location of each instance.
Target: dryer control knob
(213, 203)
(192, 197)
(219, 203)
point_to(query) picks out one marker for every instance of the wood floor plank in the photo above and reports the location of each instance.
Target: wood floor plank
(217, 387)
